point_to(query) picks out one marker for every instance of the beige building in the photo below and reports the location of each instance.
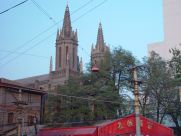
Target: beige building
(99, 52)
(66, 62)
(33, 103)
(172, 29)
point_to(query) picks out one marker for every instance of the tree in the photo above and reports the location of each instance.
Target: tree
(121, 61)
(157, 87)
(174, 109)
(159, 94)
(101, 92)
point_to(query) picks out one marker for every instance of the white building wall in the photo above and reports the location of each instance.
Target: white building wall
(172, 20)
(172, 29)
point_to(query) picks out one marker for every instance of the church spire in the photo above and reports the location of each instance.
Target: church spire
(81, 65)
(100, 38)
(51, 65)
(67, 29)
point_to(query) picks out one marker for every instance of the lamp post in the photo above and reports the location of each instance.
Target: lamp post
(136, 102)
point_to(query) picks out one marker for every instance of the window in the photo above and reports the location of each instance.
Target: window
(30, 120)
(29, 97)
(73, 57)
(10, 117)
(60, 56)
(67, 57)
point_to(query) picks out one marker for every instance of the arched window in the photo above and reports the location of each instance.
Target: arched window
(73, 57)
(60, 56)
(67, 54)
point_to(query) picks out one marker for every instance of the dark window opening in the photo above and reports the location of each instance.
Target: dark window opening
(73, 57)
(10, 117)
(67, 55)
(29, 97)
(30, 120)
(60, 56)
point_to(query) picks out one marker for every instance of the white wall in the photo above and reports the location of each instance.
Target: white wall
(172, 29)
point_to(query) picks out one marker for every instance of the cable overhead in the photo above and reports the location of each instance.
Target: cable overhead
(90, 10)
(84, 98)
(95, 7)
(43, 11)
(46, 30)
(13, 6)
(27, 50)
(7, 51)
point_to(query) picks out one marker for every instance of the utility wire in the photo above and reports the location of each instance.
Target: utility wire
(7, 51)
(98, 5)
(49, 36)
(44, 11)
(83, 98)
(46, 30)
(13, 6)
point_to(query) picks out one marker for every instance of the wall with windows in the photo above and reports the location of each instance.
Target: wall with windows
(8, 110)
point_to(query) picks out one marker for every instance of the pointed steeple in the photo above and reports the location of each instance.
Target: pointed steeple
(57, 34)
(51, 65)
(81, 65)
(100, 38)
(67, 29)
(92, 48)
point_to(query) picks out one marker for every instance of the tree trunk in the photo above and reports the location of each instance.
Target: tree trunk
(158, 112)
(163, 115)
(178, 128)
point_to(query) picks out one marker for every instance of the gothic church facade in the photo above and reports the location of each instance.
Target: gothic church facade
(67, 62)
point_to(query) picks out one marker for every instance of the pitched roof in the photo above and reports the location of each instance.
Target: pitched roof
(17, 86)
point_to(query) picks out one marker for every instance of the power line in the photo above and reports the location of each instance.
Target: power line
(84, 98)
(46, 30)
(90, 10)
(7, 51)
(13, 6)
(28, 49)
(98, 5)
(44, 11)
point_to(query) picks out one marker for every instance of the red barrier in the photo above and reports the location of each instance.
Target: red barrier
(126, 127)
(122, 127)
(76, 131)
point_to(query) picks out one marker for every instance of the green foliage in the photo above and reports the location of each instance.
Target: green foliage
(159, 92)
(94, 87)
(175, 63)
(121, 61)
(100, 92)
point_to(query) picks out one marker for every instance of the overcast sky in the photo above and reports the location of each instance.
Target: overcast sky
(24, 52)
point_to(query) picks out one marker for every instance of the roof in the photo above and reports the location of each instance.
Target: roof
(127, 125)
(16, 86)
(122, 126)
(30, 80)
(76, 131)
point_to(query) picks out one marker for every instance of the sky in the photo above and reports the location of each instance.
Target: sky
(27, 34)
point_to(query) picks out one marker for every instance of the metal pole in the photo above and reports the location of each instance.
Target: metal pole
(136, 102)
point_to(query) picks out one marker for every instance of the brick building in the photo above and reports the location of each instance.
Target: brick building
(9, 96)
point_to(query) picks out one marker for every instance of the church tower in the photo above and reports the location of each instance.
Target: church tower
(66, 59)
(66, 47)
(101, 50)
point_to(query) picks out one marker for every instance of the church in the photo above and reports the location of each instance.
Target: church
(67, 63)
